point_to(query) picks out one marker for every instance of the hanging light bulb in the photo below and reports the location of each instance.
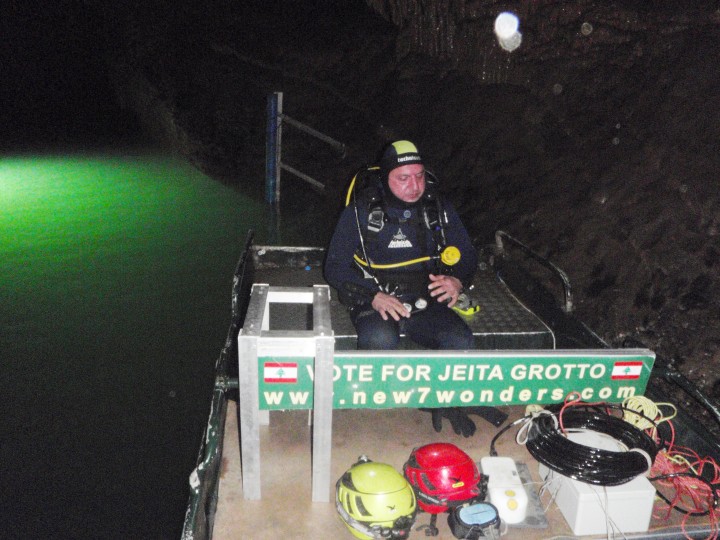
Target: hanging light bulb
(506, 30)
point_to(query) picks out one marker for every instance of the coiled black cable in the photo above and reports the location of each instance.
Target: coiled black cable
(547, 444)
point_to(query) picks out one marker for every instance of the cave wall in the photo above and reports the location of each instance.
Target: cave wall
(595, 142)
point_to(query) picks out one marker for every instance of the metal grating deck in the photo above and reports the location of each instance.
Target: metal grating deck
(502, 322)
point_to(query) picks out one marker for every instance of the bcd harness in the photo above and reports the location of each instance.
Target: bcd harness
(367, 195)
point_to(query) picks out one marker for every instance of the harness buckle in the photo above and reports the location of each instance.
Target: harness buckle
(376, 220)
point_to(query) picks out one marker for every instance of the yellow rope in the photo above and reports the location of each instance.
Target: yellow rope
(648, 409)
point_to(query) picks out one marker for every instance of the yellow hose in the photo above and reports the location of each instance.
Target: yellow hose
(450, 256)
(352, 184)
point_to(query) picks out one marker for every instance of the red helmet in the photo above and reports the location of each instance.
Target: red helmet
(443, 476)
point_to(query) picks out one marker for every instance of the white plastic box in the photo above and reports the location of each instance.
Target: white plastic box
(505, 488)
(591, 509)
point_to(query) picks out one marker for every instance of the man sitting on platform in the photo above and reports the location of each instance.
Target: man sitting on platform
(399, 258)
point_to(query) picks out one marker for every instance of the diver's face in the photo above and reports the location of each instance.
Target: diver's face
(407, 182)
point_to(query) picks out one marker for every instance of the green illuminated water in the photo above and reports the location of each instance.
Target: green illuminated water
(115, 276)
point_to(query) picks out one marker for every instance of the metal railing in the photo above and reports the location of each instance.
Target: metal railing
(567, 291)
(273, 149)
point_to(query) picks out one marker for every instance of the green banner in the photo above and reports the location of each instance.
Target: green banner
(482, 378)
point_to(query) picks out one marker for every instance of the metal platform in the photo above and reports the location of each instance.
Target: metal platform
(308, 433)
(502, 322)
(297, 350)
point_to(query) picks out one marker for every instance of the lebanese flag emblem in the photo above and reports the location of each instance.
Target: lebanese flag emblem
(626, 370)
(280, 372)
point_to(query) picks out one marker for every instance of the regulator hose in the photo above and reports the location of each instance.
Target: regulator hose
(449, 256)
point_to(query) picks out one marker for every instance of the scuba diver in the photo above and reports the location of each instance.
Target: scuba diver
(399, 258)
(385, 257)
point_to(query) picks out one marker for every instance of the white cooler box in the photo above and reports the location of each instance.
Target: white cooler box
(591, 509)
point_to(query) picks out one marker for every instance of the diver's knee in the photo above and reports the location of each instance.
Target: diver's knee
(380, 339)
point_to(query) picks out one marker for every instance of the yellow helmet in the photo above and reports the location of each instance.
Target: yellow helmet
(375, 501)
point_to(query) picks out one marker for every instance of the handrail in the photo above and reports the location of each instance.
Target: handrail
(671, 374)
(273, 148)
(499, 235)
(318, 135)
(668, 371)
(203, 479)
(309, 179)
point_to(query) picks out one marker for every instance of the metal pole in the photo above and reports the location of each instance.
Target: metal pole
(248, 343)
(310, 180)
(273, 154)
(278, 144)
(271, 160)
(322, 394)
(315, 133)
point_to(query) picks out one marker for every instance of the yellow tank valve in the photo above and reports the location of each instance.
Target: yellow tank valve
(450, 255)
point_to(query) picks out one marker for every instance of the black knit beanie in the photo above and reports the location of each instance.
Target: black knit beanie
(398, 154)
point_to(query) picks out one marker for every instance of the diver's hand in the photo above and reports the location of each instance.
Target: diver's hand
(386, 304)
(445, 288)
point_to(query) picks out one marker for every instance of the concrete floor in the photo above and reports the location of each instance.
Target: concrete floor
(389, 436)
